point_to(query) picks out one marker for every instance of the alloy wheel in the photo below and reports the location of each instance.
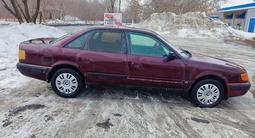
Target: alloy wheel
(66, 83)
(208, 94)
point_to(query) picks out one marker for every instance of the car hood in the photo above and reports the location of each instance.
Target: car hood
(215, 61)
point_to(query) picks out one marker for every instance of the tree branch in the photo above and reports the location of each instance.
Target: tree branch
(23, 13)
(38, 3)
(26, 9)
(16, 10)
(8, 8)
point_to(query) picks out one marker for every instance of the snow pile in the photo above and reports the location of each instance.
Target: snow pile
(10, 36)
(66, 20)
(61, 22)
(56, 21)
(192, 24)
(71, 18)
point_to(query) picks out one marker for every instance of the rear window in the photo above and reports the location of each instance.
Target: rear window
(60, 38)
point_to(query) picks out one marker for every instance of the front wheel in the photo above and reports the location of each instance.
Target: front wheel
(207, 93)
(67, 83)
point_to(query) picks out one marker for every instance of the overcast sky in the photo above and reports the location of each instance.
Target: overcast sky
(235, 2)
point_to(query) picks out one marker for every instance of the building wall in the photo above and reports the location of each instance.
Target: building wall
(237, 23)
(250, 14)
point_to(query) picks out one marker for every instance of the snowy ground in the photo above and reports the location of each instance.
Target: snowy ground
(10, 37)
(29, 108)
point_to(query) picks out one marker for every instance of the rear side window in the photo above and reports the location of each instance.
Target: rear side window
(79, 42)
(107, 41)
(146, 45)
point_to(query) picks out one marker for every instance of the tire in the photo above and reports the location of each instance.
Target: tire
(207, 93)
(67, 83)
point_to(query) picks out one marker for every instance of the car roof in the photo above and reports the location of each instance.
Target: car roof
(124, 28)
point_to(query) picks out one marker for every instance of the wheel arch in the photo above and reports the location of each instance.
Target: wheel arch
(214, 77)
(61, 66)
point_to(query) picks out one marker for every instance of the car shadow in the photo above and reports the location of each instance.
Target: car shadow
(145, 95)
(135, 94)
(148, 95)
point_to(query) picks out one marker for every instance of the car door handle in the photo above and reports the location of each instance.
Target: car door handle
(86, 61)
(135, 65)
(132, 63)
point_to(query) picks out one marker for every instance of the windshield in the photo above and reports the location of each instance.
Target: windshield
(55, 40)
(183, 53)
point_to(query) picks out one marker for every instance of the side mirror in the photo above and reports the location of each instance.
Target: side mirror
(186, 51)
(169, 57)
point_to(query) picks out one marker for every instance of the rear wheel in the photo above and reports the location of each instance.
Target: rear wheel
(67, 83)
(207, 93)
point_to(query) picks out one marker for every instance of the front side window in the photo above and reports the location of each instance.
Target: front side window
(106, 41)
(145, 45)
(79, 42)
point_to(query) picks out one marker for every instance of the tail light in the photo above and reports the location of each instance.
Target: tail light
(22, 55)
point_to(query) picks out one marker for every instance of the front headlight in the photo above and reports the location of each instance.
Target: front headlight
(245, 77)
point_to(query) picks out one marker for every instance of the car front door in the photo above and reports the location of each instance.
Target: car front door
(146, 65)
(106, 51)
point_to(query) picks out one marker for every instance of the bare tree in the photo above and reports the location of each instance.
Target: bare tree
(134, 10)
(88, 10)
(21, 10)
(110, 5)
(15, 11)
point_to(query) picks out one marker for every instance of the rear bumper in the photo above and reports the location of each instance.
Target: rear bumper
(238, 89)
(34, 71)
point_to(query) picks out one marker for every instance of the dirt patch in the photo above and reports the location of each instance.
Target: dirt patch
(3, 69)
(252, 86)
(33, 136)
(117, 114)
(250, 42)
(20, 109)
(6, 122)
(24, 108)
(106, 125)
(200, 120)
(48, 118)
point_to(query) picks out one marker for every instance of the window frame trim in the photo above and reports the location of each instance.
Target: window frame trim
(123, 40)
(83, 46)
(154, 37)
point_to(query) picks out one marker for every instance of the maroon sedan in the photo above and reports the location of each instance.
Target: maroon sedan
(128, 56)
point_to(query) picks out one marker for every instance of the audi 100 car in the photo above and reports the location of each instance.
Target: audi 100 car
(129, 56)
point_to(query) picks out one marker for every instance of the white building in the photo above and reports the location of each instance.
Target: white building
(240, 17)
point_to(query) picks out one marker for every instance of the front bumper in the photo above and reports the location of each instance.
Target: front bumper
(238, 89)
(34, 71)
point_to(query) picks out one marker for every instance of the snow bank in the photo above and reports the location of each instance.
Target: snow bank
(68, 19)
(71, 18)
(10, 36)
(60, 22)
(193, 25)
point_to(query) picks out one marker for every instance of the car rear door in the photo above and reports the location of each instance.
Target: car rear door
(106, 51)
(146, 65)
(71, 54)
